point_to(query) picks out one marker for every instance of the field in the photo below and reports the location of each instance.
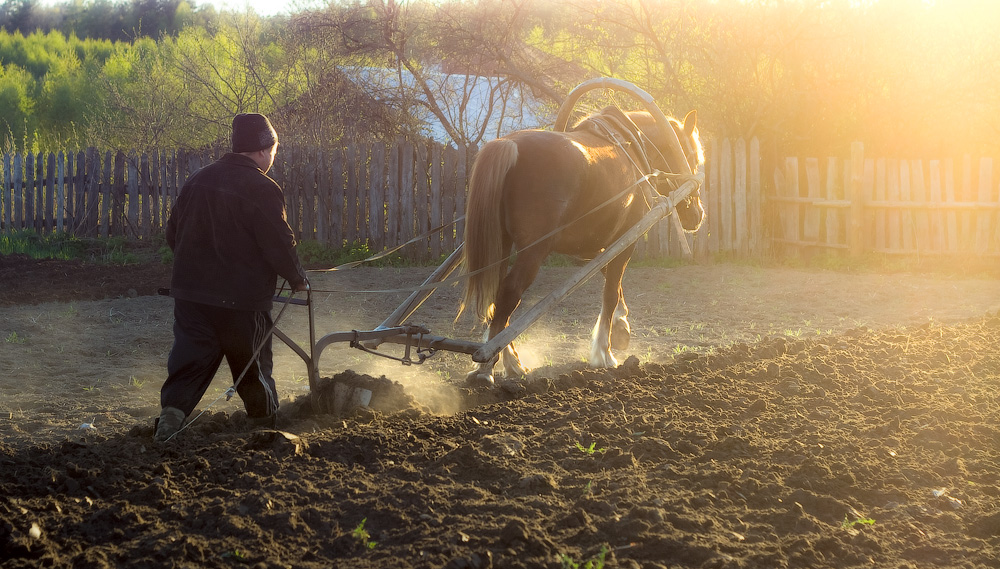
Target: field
(763, 418)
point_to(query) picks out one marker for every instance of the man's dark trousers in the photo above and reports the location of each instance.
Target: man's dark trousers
(203, 335)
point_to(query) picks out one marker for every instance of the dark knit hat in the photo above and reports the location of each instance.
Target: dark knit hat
(252, 132)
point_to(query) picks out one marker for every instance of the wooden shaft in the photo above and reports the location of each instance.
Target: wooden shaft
(411, 304)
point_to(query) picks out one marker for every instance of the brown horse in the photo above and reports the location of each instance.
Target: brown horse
(575, 192)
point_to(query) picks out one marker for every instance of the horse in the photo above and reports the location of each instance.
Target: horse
(537, 192)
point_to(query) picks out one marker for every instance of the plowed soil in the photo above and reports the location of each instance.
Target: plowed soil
(762, 418)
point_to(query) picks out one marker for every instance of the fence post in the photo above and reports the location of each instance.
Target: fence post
(857, 203)
(755, 202)
(7, 194)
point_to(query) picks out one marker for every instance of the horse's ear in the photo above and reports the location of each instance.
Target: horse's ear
(690, 122)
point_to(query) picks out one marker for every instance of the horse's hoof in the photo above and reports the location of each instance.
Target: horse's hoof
(479, 380)
(620, 337)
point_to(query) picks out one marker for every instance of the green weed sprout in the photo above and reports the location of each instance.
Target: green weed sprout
(362, 535)
(589, 451)
(862, 521)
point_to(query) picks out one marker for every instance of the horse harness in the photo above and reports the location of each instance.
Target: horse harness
(616, 131)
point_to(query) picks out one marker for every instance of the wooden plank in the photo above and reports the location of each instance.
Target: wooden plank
(936, 196)
(288, 181)
(6, 196)
(338, 196)
(895, 216)
(76, 170)
(984, 219)
(461, 195)
(376, 198)
(131, 181)
(951, 217)
(69, 215)
(921, 217)
(167, 186)
(49, 178)
(881, 194)
(324, 195)
(422, 203)
(310, 191)
(906, 196)
(726, 196)
(714, 223)
(832, 219)
(89, 202)
(154, 193)
(173, 184)
(118, 197)
(755, 202)
(437, 199)
(791, 226)
(30, 192)
(364, 207)
(867, 190)
(351, 195)
(60, 188)
(393, 196)
(966, 220)
(407, 219)
(811, 221)
(106, 196)
(740, 199)
(145, 191)
(449, 187)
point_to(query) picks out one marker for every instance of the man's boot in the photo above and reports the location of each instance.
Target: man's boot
(171, 419)
(259, 423)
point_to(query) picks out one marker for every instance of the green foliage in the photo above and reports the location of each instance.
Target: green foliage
(165, 73)
(110, 250)
(39, 246)
(361, 534)
(14, 338)
(590, 450)
(849, 524)
(316, 254)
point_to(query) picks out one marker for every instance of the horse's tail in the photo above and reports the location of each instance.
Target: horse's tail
(483, 230)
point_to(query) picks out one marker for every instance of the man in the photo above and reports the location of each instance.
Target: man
(231, 241)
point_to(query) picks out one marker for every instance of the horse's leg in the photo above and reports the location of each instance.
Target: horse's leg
(613, 309)
(621, 332)
(512, 287)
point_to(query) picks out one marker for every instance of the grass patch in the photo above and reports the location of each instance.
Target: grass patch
(39, 246)
(314, 254)
(63, 246)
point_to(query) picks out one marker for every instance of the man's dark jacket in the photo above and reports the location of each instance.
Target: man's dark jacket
(230, 237)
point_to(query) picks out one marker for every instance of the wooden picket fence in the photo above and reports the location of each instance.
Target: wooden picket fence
(382, 195)
(885, 205)
(379, 195)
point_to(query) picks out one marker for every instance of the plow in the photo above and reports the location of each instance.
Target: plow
(417, 343)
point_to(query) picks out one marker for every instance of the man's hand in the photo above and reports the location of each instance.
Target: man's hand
(301, 287)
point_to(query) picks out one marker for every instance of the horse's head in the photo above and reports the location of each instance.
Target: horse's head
(689, 210)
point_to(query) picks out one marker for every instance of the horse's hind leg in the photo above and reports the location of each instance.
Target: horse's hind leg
(612, 328)
(512, 288)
